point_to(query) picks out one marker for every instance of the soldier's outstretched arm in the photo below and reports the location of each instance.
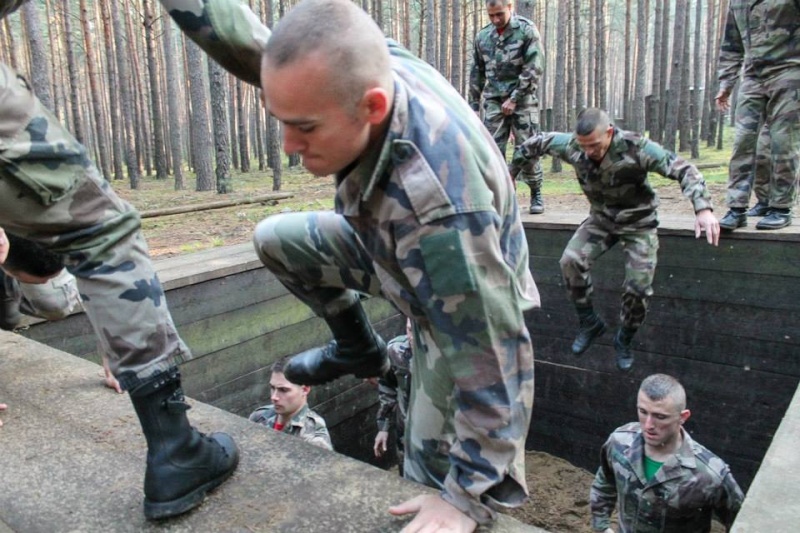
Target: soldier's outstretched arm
(536, 146)
(227, 30)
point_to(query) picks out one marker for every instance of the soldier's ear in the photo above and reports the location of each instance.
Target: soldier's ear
(378, 104)
(685, 414)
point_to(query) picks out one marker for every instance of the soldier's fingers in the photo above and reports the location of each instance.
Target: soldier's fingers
(3, 246)
(409, 506)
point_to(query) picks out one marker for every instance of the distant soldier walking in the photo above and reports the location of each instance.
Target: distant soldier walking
(761, 42)
(507, 63)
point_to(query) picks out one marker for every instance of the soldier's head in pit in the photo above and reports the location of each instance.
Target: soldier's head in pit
(594, 132)
(661, 405)
(287, 398)
(325, 75)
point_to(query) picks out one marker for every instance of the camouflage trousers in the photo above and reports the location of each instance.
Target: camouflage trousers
(53, 300)
(52, 194)
(763, 166)
(775, 101)
(523, 123)
(320, 259)
(591, 240)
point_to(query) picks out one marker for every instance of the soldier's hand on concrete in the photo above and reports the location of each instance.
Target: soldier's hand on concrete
(3, 246)
(3, 407)
(380, 443)
(708, 223)
(609, 530)
(509, 106)
(722, 100)
(109, 379)
(433, 514)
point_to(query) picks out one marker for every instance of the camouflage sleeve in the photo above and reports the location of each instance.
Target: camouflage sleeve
(533, 66)
(730, 500)
(538, 145)
(477, 77)
(387, 397)
(227, 30)
(731, 53)
(318, 435)
(603, 493)
(654, 158)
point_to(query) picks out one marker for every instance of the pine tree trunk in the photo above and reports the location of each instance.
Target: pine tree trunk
(200, 131)
(559, 102)
(675, 76)
(219, 114)
(72, 69)
(580, 66)
(641, 65)
(173, 106)
(126, 97)
(40, 69)
(159, 153)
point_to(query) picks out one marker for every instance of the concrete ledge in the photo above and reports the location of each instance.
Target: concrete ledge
(772, 503)
(72, 459)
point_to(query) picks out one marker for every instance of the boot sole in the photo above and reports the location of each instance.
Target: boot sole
(308, 379)
(178, 506)
(761, 227)
(591, 341)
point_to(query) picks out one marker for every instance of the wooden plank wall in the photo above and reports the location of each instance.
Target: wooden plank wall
(237, 325)
(724, 321)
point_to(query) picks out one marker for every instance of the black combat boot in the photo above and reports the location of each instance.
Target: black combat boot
(182, 463)
(10, 315)
(356, 349)
(622, 344)
(761, 209)
(537, 203)
(734, 218)
(776, 219)
(591, 326)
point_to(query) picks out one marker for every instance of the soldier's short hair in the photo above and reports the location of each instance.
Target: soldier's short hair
(660, 386)
(280, 364)
(31, 258)
(590, 119)
(353, 45)
(492, 3)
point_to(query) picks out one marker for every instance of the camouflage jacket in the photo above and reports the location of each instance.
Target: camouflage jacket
(508, 65)
(617, 188)
(680, 498)
(305, 424)
(435, 208)
(764, 37)
(395, 387)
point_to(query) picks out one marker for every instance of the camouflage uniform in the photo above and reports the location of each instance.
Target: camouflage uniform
(680, 498)
(429, 221)
(51, 193)
(394, 389)
(509, 66)
(760, 41)
(623, 208)
(305, 424)
(53, 300)
(762, 175)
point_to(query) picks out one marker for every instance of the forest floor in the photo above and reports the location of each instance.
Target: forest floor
(559, 490)
(191, 232)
